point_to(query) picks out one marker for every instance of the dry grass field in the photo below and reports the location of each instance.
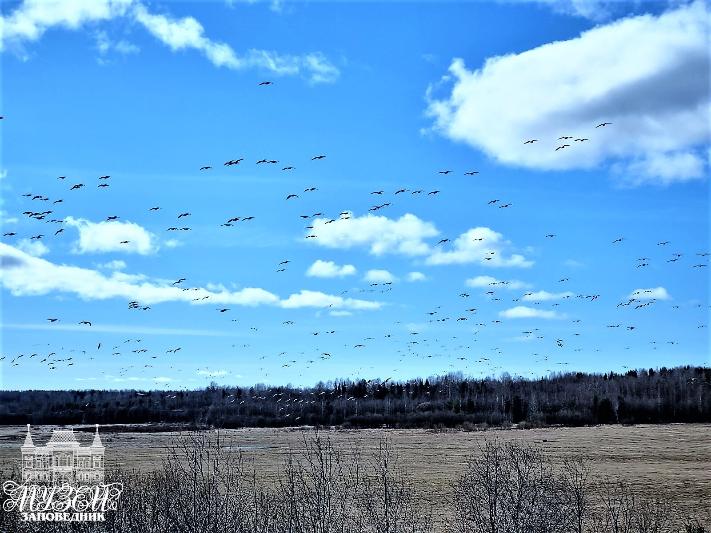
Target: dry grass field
(670, 460)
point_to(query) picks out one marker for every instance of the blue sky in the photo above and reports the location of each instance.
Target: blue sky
(392, 94)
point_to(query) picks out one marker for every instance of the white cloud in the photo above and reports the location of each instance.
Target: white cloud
(408, 236)
(379, 234)
(3, 174)
(306, 298)
(212, 373)
(522, 338)
(521, 311)
(34, 17)
(662, 168)
(188, 33)
(5, 218)
(478, 245)
(34, 248)
(116, 264)
(573, 263)
(111, 236)
(544, 296)
(491, 282)
(656, 293)
(122, 328)
(31, 19)
(648, 75)
(276, 6)
(329, 269)
(105, 45)
(379, 276)
(416, 276)
(340, 313)
(590, 9)
(172, 243)
(414, 327)
(25, 275)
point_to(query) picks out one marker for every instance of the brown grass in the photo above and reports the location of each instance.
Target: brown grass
(670, 461)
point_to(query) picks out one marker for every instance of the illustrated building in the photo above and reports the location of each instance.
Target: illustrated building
(63, 459)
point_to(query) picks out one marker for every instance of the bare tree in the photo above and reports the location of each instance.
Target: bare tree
(575, 474)
(205, 486)
(386, 497)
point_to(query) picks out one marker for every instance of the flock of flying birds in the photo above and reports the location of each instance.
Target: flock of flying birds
(139, 356)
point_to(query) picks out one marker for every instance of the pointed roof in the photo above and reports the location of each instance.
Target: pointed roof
(28, 439)
(63, 438)
(97, 440)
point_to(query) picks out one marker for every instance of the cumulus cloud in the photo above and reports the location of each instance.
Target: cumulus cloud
(416, 276)
(478, 245)
(521, 311)
(408, 236)
(379, 276)
(380, 234)
(662, 168)
(112, 236)
(306, 298)
(490, 281)
(544, 296)
(25, 275)
(34, 248)
(648, 75)
(31, 19)
(329, 269)
(656, 293)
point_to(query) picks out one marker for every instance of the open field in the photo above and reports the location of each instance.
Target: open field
(672, 460)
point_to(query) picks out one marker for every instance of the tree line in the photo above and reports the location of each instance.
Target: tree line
(650, 396)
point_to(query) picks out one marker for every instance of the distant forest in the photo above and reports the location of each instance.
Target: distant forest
(650, 396)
